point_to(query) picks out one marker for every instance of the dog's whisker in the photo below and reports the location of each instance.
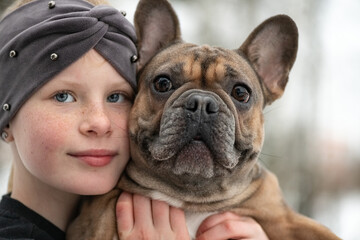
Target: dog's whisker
(270, 155)
(263, 162)
(267, 111)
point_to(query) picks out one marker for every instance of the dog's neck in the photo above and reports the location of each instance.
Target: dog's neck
(129, 183)
(195, 213)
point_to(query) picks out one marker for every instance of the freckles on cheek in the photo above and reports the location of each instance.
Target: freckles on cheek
(51, 133)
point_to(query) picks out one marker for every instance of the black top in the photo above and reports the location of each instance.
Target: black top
(20, 222)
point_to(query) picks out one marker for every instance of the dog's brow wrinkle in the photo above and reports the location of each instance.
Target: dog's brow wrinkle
(177, 68)
(196, 56)
(192, 68)
(220, 69)
(213, 70)
(230, 71)
(208, 61)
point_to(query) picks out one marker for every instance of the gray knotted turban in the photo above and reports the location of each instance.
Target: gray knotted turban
(42, 38)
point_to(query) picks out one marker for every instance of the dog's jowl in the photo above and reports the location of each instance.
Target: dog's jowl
(197, 127)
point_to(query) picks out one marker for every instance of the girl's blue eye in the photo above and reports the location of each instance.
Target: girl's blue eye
(115, 97)
(64, 97)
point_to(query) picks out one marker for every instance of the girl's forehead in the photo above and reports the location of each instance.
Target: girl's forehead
(90, 71)
(94, 57)
(90, 61)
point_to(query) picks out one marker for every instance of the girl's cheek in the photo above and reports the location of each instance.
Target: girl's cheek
(53, 131)
(44, 139)
(42, 142)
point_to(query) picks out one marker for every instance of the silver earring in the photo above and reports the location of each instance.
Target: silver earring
(4, 135)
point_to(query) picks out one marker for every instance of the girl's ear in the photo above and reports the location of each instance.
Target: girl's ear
(7, 135)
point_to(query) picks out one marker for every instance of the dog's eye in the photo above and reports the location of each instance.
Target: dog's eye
(162, 84)
(240, 93)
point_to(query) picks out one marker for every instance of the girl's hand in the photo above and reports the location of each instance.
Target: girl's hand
(228, 225)
(139, 217)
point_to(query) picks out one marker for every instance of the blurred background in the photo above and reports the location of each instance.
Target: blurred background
(312, 137)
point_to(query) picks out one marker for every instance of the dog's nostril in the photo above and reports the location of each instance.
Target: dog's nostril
(211, 106)
(206, 104)
(192, 104)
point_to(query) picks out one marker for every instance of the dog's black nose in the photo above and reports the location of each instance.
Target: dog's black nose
(203, 103)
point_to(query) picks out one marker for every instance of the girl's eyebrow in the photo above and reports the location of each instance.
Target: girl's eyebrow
(67, 82)
(72, 83)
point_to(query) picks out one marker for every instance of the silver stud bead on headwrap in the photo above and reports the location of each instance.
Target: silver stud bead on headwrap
(51, 4)
(6, 107)
(12, 53)
(54, 56)
(134, 58)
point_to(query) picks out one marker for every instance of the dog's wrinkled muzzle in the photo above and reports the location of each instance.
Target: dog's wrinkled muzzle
(197, 135)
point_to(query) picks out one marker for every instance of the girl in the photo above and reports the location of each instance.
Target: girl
(67, 83)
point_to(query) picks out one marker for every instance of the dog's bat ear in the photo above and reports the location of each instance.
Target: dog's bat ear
(272, 49)
(157, 26)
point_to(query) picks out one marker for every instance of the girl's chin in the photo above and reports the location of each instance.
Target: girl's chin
(97, 188)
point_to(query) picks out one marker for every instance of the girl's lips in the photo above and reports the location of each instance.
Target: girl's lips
(95, 158)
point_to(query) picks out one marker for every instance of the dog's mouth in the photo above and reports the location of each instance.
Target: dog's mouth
(195, 158)
(198, 138)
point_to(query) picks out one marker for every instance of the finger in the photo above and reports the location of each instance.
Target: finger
(161, 213)
(178, 221)
(142, 211)
(124, 213)
(254, 229)
(242, 228)
(215, 219)
(229, 229)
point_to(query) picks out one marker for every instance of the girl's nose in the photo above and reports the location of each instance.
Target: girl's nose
(96, 121)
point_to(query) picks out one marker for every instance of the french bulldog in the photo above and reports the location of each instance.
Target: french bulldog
(197, 127)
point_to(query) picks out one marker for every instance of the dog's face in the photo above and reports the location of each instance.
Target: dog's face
(198, 114)
(197, 125)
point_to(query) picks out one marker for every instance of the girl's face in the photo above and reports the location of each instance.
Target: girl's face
(72, 134)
